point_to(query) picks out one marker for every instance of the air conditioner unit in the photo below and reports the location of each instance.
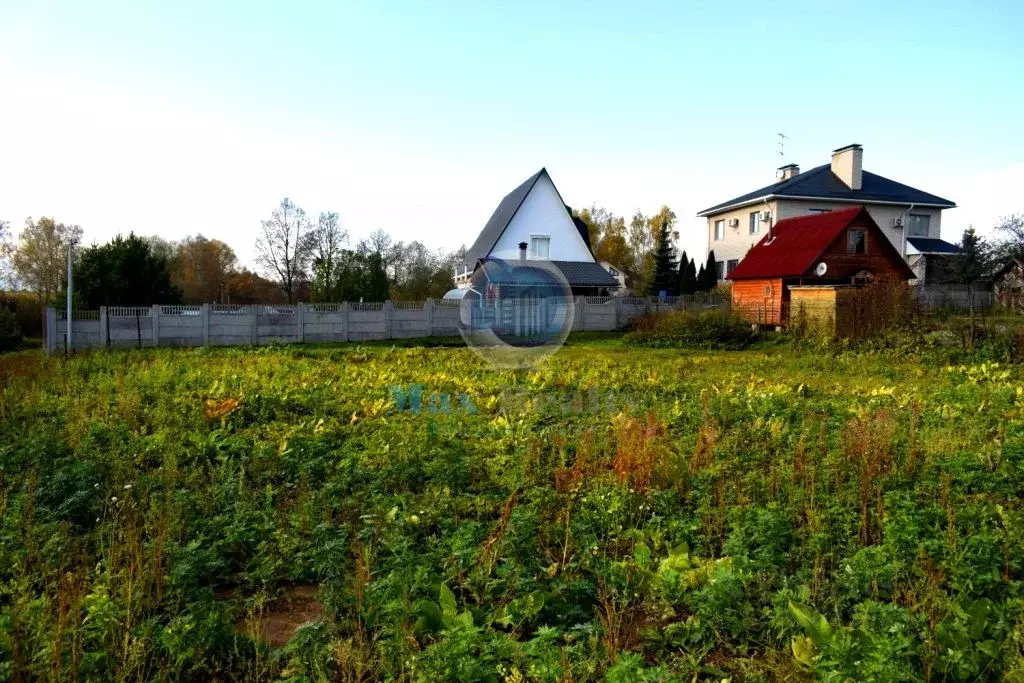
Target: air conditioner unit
(766, 215)
(734, 222)
(897, 222)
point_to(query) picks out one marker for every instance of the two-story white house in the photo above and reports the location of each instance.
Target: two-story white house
(910, 218)
(533, 219)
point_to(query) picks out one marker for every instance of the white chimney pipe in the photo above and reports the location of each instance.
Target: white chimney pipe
(522, 251)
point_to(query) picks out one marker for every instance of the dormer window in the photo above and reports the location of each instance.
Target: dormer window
(540, 246)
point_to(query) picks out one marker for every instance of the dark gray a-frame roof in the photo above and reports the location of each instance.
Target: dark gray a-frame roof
(504, 214)
(821, 183)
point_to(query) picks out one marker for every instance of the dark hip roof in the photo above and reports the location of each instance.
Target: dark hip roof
(586, 274)
(506, 211)
(794, 245)
(931, 245)
(576, 273)
(822, 183)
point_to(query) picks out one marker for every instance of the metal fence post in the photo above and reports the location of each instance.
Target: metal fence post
(155, 314)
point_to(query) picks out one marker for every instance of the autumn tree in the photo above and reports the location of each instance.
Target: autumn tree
(284, 246)
(40, 259)
(200, 268)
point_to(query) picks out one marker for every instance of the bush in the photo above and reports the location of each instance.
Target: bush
(10, 333)
(715, 329)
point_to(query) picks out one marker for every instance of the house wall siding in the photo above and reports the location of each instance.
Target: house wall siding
(739, 240)
(543, 213)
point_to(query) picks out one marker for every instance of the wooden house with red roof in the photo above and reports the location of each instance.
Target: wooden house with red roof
(820, 251)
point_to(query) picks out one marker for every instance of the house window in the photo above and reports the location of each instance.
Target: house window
(731, 266)
(768, 290)
(719, 269)
(720, 230)
(540, 247)
(856, 242)
(755, 222)
(917, 225)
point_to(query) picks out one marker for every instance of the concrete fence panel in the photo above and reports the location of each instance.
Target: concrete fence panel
(226, 325)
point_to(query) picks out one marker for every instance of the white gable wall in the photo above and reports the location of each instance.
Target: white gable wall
(542, 213)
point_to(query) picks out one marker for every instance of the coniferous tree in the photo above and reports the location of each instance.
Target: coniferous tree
(688, 283)
(701, 279)
(710, 272)
(681, 272)
(665, 278)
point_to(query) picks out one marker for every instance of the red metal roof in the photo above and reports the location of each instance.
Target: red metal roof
(794, 245)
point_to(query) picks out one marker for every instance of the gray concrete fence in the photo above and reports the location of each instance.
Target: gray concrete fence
(227, 325)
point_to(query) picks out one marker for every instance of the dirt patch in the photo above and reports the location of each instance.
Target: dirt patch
(276, 622)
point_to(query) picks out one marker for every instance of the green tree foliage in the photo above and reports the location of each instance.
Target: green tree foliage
(665, 278)
(40, 259)
(123, 272)
(358, 276)
(328, 240)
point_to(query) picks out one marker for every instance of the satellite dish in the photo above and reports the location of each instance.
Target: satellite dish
(821, 269)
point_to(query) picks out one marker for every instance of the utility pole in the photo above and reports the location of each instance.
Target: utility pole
(70, 248)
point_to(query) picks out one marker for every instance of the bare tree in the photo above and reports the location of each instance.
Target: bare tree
(327, 241)
(283, 249)
(1010, 245)
(40, 259)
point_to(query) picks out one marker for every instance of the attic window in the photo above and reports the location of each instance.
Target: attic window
(540, 247)
(856, 242)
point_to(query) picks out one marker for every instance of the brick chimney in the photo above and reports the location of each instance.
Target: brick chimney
(847, 163)
(788, 171)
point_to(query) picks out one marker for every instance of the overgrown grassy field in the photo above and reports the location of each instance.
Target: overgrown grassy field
(619, 514)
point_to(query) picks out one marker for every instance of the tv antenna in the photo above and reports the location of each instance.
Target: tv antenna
(782, 143)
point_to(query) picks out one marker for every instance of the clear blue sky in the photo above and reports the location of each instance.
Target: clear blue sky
(416, 117)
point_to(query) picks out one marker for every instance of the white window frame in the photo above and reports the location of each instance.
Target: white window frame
(754, 222)
(720, 234)
(534, 239)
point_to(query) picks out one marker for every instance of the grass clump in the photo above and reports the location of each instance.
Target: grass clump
(715, 329)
